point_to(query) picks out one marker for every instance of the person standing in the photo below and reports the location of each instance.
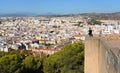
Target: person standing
(90, 32)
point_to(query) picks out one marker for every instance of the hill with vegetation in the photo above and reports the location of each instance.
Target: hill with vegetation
(103, 16)
(68, 60)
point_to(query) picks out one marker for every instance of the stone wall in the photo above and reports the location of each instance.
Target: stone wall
(100, 57)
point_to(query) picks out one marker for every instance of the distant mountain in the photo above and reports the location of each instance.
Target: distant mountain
(25, 14)
(17, 14)
(48, 14)
(12, 15)
(103, 16)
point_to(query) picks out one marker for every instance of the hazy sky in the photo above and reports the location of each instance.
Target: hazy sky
(59, 6)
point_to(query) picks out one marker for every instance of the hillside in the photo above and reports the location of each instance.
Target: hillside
(103, 16)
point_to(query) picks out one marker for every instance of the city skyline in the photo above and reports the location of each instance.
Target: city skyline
(59, 7)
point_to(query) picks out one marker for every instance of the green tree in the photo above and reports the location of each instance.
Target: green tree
(20, 62)
(94, 22)
(69, 60)
(32, 64)
(10, 64)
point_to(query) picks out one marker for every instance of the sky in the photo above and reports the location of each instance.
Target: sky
(59, 6)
